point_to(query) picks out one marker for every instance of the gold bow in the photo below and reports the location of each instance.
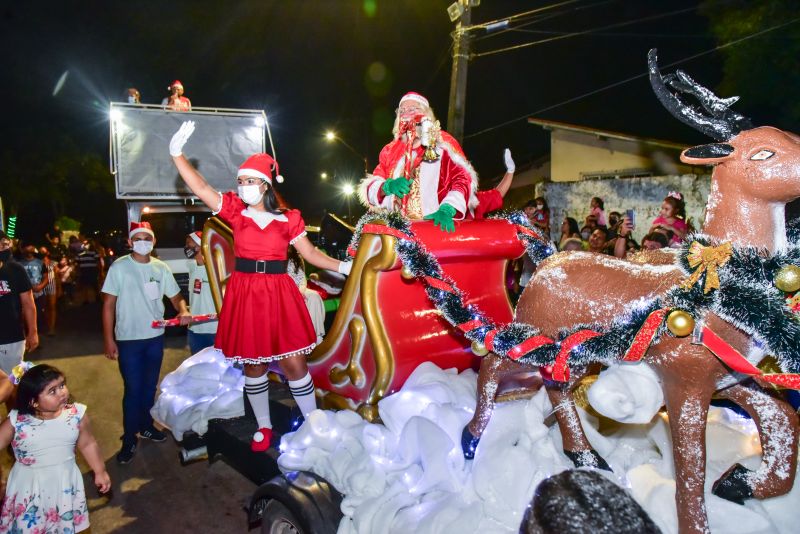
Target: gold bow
(706, 260)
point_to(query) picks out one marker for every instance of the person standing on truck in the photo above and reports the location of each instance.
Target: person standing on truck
(200, 335)
(176, 101)
(263, 317)
(134, 291)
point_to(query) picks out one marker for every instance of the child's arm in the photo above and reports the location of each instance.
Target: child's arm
(91, 453)
(194, 180)
(6, 433)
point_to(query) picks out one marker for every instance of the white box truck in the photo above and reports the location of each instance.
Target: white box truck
(146, 179)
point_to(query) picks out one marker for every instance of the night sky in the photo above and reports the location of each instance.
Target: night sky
(316, 65)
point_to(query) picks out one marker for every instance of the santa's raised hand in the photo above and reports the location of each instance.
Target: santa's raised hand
(179, 139)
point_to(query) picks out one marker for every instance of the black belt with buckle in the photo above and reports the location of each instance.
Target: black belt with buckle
(246, 265)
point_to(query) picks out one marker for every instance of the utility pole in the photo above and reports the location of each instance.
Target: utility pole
(458, 78)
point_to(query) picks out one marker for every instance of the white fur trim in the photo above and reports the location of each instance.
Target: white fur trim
(255, 173)
(258, 437)
(461, 161)
(293, 241)
(415, 97)
(219, 206)
(457, 200)
(142, 231)
(194, 238)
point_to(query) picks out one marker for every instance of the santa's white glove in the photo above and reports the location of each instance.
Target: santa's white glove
(345, 267)
(179, 139)
(425, 131)
(510, 167)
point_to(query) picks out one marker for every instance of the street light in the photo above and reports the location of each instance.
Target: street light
(348, 190)
(331, 136)
(324, 175)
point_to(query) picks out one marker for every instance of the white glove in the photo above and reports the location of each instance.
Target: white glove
(425, 131)
(179, 139)
(345, 267)
(510, 167)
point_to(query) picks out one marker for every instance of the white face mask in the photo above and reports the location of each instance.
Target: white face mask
(539, 206)
(131, 99)
(250, 194)
(143, 247)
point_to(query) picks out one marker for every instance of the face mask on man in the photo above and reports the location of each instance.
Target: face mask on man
(585, 235)
(250, 194)
(539, 206)
(190, 252)
(143, 247)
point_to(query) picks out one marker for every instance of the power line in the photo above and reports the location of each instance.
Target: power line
(542, 18)
(523, 14)
(584, 32)
(626, 80)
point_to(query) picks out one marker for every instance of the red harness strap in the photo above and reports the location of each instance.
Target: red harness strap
(560, 367)
(736, 361)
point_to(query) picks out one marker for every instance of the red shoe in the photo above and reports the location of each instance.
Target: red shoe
(261, 440)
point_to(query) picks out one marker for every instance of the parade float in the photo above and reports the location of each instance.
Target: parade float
(418, 444)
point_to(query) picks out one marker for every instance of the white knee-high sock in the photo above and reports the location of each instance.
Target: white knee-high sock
(257, 390)
(303, 393)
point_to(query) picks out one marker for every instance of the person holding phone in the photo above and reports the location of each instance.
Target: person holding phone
(672, 218)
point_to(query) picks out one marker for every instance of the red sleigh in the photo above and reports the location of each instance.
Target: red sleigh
(386, 325)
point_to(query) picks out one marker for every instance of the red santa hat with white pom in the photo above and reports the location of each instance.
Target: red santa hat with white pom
(260, 166)
(140, 227)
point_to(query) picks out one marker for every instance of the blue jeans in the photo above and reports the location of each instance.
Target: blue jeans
(198, 342)
(139, 365)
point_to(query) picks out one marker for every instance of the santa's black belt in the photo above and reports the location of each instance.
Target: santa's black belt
(246, 265)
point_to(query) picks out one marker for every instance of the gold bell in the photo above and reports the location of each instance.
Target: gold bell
(788, 279)
(680, 323)
(406, 273)
(479, 349)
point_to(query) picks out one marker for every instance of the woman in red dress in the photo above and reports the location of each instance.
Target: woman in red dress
(263, 316)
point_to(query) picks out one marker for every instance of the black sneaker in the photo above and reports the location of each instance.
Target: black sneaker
(153, 435)
(125, 454)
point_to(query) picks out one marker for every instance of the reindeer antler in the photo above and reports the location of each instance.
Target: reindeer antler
(719, 121)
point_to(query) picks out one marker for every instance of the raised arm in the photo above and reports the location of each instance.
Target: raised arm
(508, 177)
(194, 180)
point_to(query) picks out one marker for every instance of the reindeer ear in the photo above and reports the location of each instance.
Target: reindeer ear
(707, 154)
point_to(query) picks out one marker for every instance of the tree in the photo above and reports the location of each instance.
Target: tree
(761, 70)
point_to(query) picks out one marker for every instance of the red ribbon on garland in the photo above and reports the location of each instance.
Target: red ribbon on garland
(560, 367)
(644, 337)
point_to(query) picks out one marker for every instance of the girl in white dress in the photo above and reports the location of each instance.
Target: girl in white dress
(45, 491)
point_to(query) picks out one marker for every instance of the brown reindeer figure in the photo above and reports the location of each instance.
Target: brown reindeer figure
(757, 171)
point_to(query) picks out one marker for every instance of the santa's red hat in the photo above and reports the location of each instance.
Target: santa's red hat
(415, 97)
(176, 83)
(139, 227)
(197, 237)
(260, 165)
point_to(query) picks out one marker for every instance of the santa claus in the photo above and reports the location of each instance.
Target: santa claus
(423, 172)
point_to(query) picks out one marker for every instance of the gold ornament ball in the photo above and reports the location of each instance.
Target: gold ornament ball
(479, 349)
(680, 323)
(406, 273)
(788, 279)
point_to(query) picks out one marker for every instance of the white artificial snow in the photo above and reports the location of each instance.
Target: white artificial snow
(409, 475)
(205, 386)
(629, 393)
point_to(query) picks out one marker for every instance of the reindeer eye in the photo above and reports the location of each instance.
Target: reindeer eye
(762, 155)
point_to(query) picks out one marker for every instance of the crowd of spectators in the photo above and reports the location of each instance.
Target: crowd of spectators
(610, 233)
(61, 276)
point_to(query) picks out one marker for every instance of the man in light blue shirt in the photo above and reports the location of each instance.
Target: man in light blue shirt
(133, 298)
(200, 335)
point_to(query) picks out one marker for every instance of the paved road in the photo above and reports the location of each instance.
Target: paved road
(153, 493)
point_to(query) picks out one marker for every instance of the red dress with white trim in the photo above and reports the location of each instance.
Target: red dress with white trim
(263, 316)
